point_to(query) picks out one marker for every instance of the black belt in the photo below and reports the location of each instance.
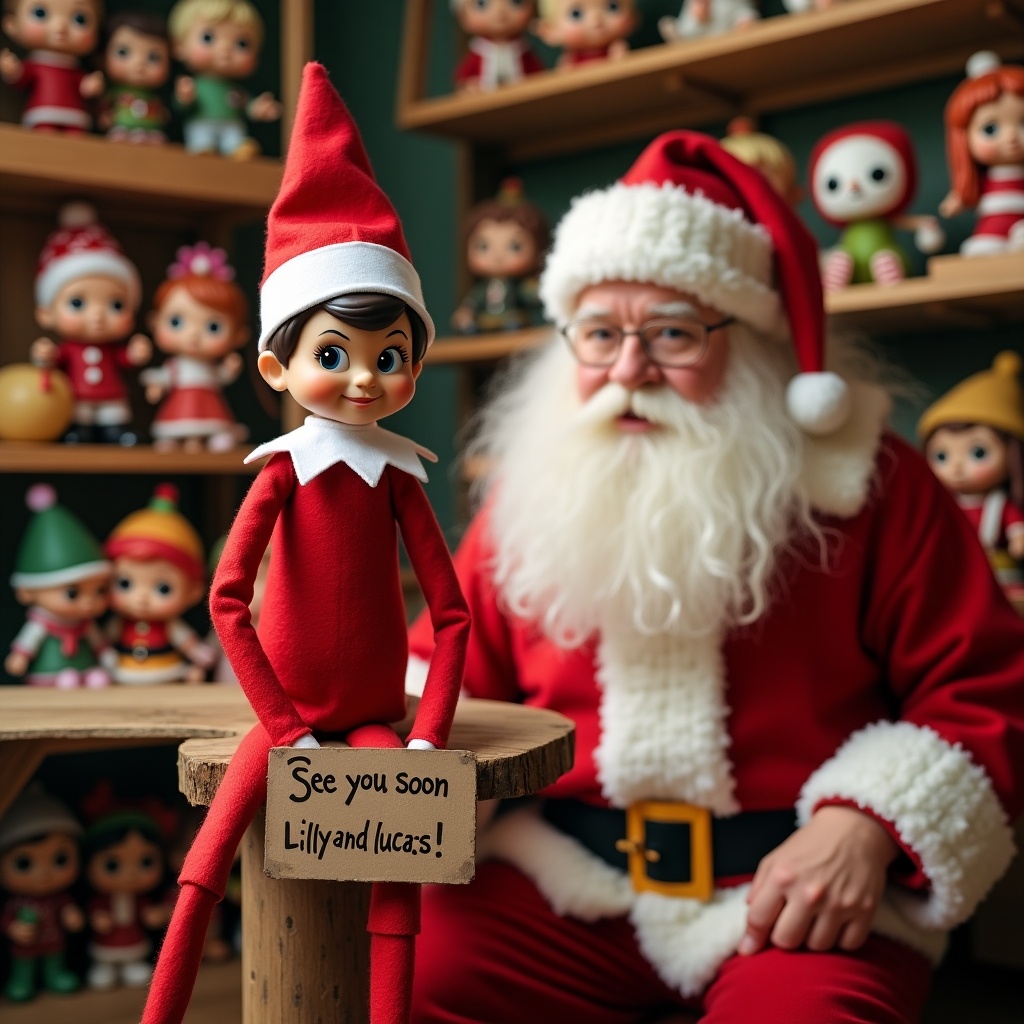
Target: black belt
(665, 845)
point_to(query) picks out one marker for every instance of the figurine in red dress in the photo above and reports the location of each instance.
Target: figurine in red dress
(499, 53)
(344, 330)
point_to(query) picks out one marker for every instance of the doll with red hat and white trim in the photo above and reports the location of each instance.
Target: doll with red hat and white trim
(985, 151)
(159, 573)
(795, 683)
(87, 293)
(863, 178)
(199, 319)
(344, 330)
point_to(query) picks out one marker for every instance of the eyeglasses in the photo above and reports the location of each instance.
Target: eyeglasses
(671, 341)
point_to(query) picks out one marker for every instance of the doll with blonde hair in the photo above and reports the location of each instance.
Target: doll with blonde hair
(985, 152)
(767, 154)
(586, 30)
(219, 43)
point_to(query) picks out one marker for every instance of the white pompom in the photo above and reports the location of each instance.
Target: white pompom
(818, 402)
(981, 63)
(77, 214)
(929, 238)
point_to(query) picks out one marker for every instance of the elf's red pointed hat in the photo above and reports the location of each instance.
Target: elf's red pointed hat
(689, 216)
(331, 230)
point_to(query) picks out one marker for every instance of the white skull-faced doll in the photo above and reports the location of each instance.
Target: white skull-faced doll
(863, 177)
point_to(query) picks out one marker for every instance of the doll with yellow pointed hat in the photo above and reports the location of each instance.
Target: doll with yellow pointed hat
(974, 442)
(159, 573)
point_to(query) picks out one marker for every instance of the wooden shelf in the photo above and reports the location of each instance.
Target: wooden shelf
(154, 179)
(217, 1000)
(26, 457)
(779, 63)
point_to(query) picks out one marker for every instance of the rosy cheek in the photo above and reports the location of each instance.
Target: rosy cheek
(984, 150)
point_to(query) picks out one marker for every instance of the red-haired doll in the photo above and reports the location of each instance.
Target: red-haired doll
(344, 330)
(200, 317)
(985, 151)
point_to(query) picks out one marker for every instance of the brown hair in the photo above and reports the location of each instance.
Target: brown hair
(369, 311)
(511, 206)
(143, 22)
(224, 296)
(967, 97)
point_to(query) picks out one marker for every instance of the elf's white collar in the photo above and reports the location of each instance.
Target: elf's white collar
(365, 448)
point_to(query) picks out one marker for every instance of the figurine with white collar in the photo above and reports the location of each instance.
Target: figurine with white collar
(344, 331)
(700, 18)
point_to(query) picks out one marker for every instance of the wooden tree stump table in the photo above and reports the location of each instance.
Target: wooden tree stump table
(305, 949)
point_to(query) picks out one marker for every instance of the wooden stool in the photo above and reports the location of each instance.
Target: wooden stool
(305, 949)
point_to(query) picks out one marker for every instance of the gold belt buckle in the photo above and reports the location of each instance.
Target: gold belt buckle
(701, 885)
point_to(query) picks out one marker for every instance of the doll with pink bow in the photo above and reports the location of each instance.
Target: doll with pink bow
(200, 318)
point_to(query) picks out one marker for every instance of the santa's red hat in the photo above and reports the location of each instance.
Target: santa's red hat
(689, 216)
(82, 247)
(331, 230)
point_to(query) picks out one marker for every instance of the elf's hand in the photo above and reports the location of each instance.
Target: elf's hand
(420, 745)
(822, 886)
(306, 742)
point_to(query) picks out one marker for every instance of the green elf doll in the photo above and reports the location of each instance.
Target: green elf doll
(62, 576)
(39, 862)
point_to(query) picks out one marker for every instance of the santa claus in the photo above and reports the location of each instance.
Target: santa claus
(796, 687)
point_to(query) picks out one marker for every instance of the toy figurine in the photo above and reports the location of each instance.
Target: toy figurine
(36, 403)
(87, 293)
(62, 576)
(800, 6)
(158, 575)
(699, 18)
(586, 30)
(219, 43)
(38, 864)
(766, 153)
(344, 330)
(124, 866)
(505, 243)
(56, 35)
(985, 151)
(498, 50)
(137, 60)
(974, 441)
(200, 317)
(863, 177)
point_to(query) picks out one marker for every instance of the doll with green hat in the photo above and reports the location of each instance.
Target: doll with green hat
(62, 576)
(39, 862)
(974, 442)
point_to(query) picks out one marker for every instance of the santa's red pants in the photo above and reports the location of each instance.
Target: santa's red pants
(495, 951)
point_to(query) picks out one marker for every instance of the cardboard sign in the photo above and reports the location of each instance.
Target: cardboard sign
(371, 815)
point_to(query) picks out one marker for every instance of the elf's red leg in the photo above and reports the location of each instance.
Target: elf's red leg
(393, 922)
(204, 878)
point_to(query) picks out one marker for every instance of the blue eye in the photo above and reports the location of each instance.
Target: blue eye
(979, 453)
(77, 302)
(214, 327)
(176, 322)
(122, 52)
(333, 358)
(391, 359)
(613, 6)
(206, 38)
(123, 583)
(81, 20)
(39, 13)
(117, 305)
(575, 14)
(990, 129)
(242, 44)
(154, 57)
(163, 589)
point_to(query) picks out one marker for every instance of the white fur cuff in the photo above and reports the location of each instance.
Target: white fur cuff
(942, 805)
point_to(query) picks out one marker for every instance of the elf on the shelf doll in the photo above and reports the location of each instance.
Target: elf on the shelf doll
(344, 330)
(974, 441)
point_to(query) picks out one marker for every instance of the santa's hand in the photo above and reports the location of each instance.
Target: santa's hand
(306, 742)
(822, 886)
(420, 745)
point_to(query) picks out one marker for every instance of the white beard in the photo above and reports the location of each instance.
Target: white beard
(677, 529)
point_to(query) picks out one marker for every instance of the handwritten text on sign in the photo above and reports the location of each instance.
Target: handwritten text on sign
(371, 815)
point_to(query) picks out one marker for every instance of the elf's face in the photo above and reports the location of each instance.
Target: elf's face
(995, 134)
(77, 601)
(96, 309)
(345, 373)
(40, 867)
(186, 327)
(971, 461)
(497, 20)
(154, 590)
(63, 26)
(133, 865)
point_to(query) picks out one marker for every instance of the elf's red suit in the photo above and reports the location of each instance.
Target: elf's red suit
(892, 681)
(330, 658)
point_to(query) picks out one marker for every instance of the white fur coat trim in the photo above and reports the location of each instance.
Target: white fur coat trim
(685, 941)
(942, 805)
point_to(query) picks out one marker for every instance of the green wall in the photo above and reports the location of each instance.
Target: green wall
(360, 43)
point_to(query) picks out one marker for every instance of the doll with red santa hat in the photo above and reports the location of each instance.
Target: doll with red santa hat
(343, 329)
(796, 685)
(87, 293)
